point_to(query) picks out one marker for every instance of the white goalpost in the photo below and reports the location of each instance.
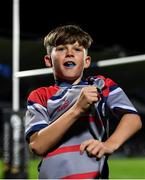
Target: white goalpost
(15, 54)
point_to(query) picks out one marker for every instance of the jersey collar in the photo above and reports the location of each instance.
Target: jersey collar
(69, 85)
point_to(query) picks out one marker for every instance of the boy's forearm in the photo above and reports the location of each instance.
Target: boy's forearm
(128, 126)
(48, 137)
(45, 139)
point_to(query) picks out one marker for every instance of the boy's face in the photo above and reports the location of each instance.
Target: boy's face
(68, 62)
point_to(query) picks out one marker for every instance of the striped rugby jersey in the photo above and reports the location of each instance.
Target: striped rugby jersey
(47, 104)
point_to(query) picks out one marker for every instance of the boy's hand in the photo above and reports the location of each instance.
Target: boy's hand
(96, 148)
(88, 96)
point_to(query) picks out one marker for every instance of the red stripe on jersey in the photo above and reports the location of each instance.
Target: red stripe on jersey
(64, 150)
(41, 95)
(83, 176)
(108, 84)
(105, 92)
(87, 118)
(91, 119)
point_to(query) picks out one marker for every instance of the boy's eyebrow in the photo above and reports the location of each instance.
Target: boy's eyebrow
(76, 45)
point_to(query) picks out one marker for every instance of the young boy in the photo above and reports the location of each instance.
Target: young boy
(67, 123)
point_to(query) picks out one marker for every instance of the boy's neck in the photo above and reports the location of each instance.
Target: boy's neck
(59, 81)
(67, 83)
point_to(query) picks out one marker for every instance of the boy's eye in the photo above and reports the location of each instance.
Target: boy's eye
(60, 48)
(77, 49)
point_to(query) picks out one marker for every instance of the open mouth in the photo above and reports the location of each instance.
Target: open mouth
(69, 64)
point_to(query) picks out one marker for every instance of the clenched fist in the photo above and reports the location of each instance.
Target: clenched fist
(88, 96)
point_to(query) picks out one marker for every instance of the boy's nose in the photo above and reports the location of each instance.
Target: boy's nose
(69, 52)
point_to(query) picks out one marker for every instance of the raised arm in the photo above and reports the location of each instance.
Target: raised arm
(45, 139)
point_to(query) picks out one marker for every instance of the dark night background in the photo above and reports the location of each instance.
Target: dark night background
(117, 28)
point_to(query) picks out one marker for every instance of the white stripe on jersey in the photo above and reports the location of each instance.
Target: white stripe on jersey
(115, 91)
(124, 107)
(39, 106)
(33, 124)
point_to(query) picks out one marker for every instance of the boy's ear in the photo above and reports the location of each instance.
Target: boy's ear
(48, 61)
(87, 62)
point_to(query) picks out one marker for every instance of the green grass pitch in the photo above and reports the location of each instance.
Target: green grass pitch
(120, 168)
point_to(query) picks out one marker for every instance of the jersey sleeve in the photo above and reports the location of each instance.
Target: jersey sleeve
(118, 101)
(36, 116)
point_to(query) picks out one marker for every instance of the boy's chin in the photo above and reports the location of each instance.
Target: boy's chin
(69, 80)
